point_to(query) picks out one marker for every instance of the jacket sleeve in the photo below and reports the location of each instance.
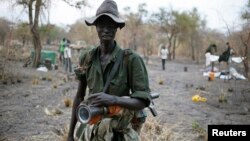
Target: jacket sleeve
(79, 71)
(138, 79)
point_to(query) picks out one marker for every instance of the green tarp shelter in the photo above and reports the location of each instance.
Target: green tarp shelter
(46, 54)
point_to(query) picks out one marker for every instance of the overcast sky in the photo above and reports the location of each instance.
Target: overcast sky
(218, 13)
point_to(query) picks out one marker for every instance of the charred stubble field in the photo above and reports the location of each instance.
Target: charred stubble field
(39, 107)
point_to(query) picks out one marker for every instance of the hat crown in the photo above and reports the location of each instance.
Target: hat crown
(108, 6)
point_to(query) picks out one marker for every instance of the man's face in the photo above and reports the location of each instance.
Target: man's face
(106, 28)
(212, 50)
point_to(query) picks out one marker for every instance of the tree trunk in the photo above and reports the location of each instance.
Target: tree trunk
(23, 40)
(134, 42)
(174, 47)
(37, 48)
(245, 61)
(34, 30)
(193, 50)
(193, 57)
(169, 47)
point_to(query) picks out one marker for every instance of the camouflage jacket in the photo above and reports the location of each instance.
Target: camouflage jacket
(131, 79)
(130, 76)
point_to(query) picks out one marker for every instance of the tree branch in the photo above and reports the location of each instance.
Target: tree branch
(37, 12)
(30, 9)
(77, 4)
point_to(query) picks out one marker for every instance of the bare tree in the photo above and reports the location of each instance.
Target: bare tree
(34, 8)
(245, 37)
(246, 43)
(166, 20)
(22, 32)
(4, 29)
(134, 22)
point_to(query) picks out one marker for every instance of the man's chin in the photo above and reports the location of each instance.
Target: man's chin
(107, 39)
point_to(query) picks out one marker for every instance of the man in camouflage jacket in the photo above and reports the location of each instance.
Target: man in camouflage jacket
(129, 88)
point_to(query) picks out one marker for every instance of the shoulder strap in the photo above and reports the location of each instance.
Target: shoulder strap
(114, 69)
(127, 52)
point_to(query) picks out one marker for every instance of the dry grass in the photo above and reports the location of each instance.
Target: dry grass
(18, 78)
(64, 134)
(222, 97)
(35, 80)
(5, 78)
(65, 79)
(55, 86)
(68, 102)
(160, 82)
(49, 76)
(153, 130)
(201, 132)
(15, 53)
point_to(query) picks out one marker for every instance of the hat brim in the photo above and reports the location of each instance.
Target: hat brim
(91, 21)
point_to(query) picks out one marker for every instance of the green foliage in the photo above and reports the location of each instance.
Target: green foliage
(196, 127)
(22, 32)
(134, 24)
(179, 28)
(246, 12)
(50, 32)
(80, 32)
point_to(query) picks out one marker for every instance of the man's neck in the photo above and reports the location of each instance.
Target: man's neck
(107, 47)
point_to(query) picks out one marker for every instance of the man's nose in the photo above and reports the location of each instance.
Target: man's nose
(105, 29)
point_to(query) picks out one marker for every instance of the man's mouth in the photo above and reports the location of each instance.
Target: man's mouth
(106, 35)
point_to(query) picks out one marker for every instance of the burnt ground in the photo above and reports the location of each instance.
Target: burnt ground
(24, 106)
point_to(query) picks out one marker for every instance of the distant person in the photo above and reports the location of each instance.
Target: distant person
(61, 50)
(164, 55)
(209, 58)
(67, 57)
(226, 56)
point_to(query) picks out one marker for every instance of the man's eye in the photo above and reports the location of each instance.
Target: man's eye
(101, 26)
(110, 27)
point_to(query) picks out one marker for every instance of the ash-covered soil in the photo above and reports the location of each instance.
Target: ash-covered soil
(34, 109)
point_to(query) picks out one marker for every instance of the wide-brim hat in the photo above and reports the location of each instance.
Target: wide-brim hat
(108, 8)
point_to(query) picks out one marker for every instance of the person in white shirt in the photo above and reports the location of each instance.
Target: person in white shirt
(67, 56)
(210, 57)
(164, 55)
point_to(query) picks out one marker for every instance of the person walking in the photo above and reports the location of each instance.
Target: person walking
(67, 57)
(164, 55)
